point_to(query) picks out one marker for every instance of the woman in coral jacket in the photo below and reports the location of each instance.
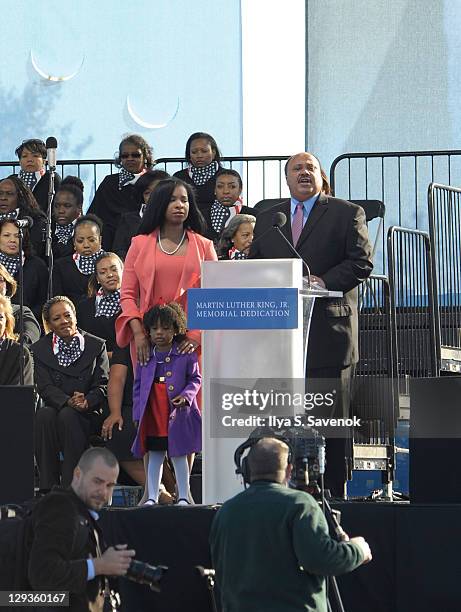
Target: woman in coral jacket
(162, 263)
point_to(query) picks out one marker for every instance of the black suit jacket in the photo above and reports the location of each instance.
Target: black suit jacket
(127, 228)
(32, 329)
(9, 364)
(41, 189)
(88, 375)
(204, 193)
(61, 540)
(35, 276)
(334, 242)
(102, 327)
(109, 203)
(68, 280)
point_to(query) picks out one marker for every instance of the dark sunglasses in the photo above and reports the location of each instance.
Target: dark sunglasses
(133, 155)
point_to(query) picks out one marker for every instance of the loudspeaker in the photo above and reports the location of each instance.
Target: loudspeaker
(17, 410)
(435, 440)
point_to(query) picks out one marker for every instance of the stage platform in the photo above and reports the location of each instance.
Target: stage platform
(415, 565)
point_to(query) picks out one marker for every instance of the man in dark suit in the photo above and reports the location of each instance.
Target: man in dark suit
(66, 543)
(331, 236)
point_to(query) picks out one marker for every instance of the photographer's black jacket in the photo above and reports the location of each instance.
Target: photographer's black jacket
(62, 538)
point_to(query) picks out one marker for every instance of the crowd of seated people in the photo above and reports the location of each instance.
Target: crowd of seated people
(82, 315)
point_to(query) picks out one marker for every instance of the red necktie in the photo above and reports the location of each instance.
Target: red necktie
(297, 225)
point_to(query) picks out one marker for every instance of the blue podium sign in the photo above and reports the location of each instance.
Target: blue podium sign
(250, 308)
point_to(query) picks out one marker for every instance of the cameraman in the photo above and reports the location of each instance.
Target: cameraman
(66, 543)
(270, 544)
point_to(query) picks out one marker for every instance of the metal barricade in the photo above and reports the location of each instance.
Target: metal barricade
(444, 209)
(375, 392)
(263, 177)
(399, 179)
(412, 302)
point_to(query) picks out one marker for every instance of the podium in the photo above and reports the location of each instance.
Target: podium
(255, 316)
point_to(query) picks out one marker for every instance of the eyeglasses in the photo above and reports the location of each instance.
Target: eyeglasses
(133, 155)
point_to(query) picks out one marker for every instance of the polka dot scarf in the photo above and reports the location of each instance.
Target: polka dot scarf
(86, 263)
(221, 215)
(30, 179)
(127, 178)
(236, 254)
(107, 305)
(68, 352)
(10, 215)
(11, 263)
(64, 233)
(201, 175)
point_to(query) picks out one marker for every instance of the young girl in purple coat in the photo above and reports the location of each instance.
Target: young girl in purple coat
(164, 401)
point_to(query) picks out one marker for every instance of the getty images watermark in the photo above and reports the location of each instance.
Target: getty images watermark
(239, 406)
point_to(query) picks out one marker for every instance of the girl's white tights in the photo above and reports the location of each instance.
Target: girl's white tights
(155, 471)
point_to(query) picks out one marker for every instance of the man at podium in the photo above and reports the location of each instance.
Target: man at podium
(330, 235)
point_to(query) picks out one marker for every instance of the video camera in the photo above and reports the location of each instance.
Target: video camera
(306, 453)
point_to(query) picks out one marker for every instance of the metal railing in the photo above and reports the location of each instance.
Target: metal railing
(263, 177)
(444, 209)
(399, 179)
(375, 389)
(412, 302)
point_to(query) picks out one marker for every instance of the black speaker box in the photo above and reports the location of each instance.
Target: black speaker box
(17, 410)
(435, 440)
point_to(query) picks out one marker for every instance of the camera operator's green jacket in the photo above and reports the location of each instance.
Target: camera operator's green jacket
(271, 551)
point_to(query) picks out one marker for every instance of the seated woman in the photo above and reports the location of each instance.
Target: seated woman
(34, 269)
(67, 208)
(16, 202)
(9, 349)
(32, 156)
(116, 194)
(96, 314)
(72, 273)
(130, 222)
(32, 329)
(71, 372)
(237, 237)
(204, 161)
(227, 204)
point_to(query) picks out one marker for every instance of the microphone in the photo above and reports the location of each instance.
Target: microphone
(24, 222)
(51, 146)
(279, 219)
(278, 222)
(205, 572)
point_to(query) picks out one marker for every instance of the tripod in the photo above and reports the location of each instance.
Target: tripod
(334, 601)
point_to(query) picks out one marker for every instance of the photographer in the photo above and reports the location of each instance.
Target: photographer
(66, 543)
(270, 544)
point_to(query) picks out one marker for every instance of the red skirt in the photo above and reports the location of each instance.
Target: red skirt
(154, 423)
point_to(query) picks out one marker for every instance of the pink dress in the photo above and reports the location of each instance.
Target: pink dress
(150, 275)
